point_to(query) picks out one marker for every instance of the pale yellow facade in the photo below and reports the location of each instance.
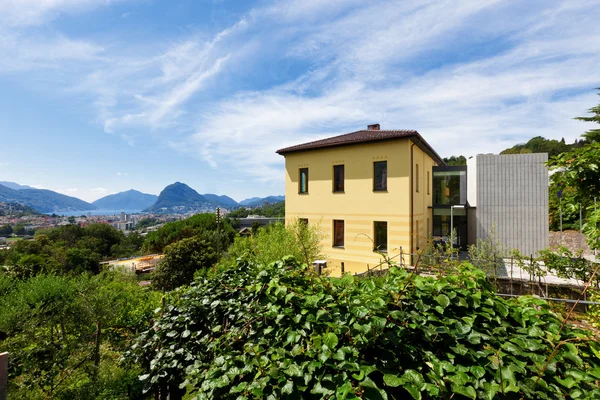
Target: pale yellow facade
(359, 206)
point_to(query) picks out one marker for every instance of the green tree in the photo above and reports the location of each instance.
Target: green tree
(6, 230)
(579, 170)
(146, 222)
(19, 230)
(198, 224)
(181, 261)
(593, 135)
(66, 334)
(455, 160)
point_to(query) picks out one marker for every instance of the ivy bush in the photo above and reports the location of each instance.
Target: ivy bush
(280, 332)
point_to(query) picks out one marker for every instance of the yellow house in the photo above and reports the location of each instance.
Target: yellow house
(368, 190)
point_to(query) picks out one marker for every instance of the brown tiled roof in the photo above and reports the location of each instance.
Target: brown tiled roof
(364, 136)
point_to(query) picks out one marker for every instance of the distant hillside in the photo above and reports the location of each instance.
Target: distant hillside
(271, 210)
(129, 200)
(15, 186)
(16, 210)
(540, 144)
(260, 201)
(45, 201)
(179, 197)
(221, 201)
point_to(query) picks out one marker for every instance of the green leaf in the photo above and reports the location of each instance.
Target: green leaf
(467, 391)
(392, 380)
(442, 300)
(288, 388)
(490, 389)
(372, 391)
(330, 340)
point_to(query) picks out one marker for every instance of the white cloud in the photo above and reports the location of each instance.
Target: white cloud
(472, 76)
(3, 164)
(34, 12)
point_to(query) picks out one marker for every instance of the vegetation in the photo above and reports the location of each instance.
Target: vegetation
(182, 259)
(539, 144)
(68, 250)
(279, 331)
(16, 210)
(275, 210)
(593, 135)
(455, 160)
(66, 334)
(579, 170)
(172, 232)
(273, 242)
(146, 222)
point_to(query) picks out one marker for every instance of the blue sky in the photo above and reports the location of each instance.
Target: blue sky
(100, 96)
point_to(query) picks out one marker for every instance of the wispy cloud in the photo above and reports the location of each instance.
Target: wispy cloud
(34, 12)
(472, 76)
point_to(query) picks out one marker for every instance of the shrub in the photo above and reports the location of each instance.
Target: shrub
(282, 332)
(273, 242)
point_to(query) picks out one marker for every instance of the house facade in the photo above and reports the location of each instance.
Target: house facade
(387, 191)
(369, 191)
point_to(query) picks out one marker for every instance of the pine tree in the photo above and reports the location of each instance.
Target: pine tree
(593, 135)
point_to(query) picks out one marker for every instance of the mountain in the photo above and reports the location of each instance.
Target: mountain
(179, 197)
(260, 201)
(131, 200)
(221, 201)
(43, 200)
(16, 210)
(15, 186)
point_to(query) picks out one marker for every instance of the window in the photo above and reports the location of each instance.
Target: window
(449, 187)
(381, 234)
(303, 221)
(338, 178)
(417, 176)
(338, 233)
(380, 175)
(417, 236)
(303, 182)
(427, 182)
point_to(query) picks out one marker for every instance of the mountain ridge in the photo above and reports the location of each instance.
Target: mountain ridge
(179, 197)
(43, 200)
(131, 200)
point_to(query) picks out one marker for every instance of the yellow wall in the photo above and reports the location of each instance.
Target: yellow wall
(359, 206)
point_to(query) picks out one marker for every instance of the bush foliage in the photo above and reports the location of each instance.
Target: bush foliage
(280, 332)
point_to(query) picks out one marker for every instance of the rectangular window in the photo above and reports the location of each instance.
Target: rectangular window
(417, 236)
(417, 176)
(338, 233)
(381, 235)
(338, 178)
(303, 221)
(427, 182)
(303, 182)
(380, 175)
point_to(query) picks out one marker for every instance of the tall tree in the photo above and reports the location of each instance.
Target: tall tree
(593, 135)
(455, 160)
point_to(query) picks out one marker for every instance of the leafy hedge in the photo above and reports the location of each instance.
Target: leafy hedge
(281, 332)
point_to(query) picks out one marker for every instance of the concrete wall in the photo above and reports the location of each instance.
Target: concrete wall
(512, 194)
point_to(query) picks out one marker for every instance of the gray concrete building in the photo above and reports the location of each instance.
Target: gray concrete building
(508, 193)
(511, 195)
